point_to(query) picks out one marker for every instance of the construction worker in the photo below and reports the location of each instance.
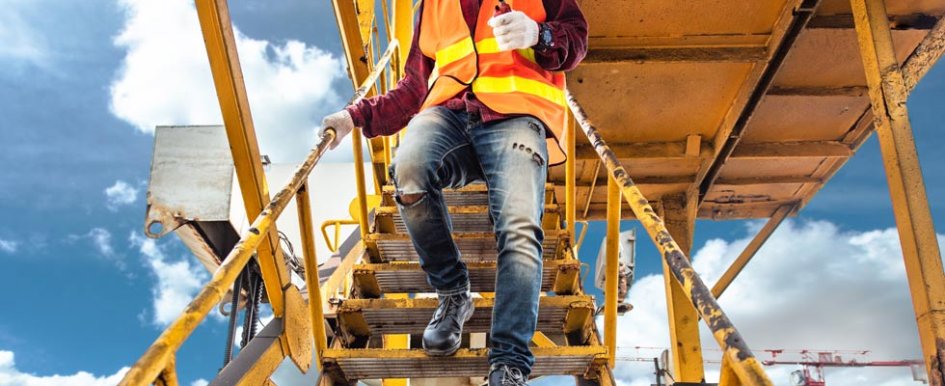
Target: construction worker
(484, 97)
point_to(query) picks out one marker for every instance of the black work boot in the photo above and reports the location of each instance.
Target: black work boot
(505, 375)
(444, 334)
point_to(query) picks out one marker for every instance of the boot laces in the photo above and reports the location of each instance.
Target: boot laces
(447, 303)
(512, 376)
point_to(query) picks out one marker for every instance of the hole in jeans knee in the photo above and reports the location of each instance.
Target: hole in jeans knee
(409, 199)
(535, 155)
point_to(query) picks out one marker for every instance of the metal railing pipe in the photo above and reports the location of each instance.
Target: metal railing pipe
(612, 269)
(154, 360)
(743, 362)
(356, 140)
(312, 282)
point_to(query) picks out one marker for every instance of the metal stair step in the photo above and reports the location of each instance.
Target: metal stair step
(473, 194)
(474, 246)
(467, 218)
(386, 363)
(374, 280)
(364, 317)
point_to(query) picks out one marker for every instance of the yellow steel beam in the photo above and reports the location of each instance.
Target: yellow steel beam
(685, 345)
(154, 360)
(570, 201)
(403, 30)
(312, 282)
(231, 91)
(756, 243)
(612, 270)
(925, 55)
(748, 368)
(888, 94)
(727, 376)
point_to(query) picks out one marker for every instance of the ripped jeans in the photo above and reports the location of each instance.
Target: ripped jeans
(450, 149)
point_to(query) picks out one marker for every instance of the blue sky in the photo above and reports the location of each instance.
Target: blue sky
(84, 292)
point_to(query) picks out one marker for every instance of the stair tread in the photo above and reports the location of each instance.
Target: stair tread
(467, 218)
(362, 317)
(474, 246)
(472, 194)
(414, 363)
(375, 279)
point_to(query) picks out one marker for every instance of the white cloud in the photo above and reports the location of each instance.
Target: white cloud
(165, 79)
(102, 239)
(812, 286)
(11, 376)
(119, 194)
(200, 382)
(9, 246)
(177, 281)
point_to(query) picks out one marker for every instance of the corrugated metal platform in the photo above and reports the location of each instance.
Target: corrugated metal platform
(373, 280)
(363, 317)
(376, 363)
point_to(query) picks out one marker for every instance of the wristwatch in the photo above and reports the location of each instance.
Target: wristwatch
(545, 37)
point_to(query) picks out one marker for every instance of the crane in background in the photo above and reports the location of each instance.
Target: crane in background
(812, 363)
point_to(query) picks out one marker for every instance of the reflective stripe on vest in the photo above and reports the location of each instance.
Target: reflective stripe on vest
(464, 48)
(509, 84)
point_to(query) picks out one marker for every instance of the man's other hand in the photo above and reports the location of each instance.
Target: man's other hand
(514, 30)
(341, 122)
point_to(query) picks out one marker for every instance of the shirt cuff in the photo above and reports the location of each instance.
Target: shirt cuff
(356, 116)
(542, 47)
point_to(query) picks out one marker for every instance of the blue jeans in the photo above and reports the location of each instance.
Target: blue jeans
(450, 149)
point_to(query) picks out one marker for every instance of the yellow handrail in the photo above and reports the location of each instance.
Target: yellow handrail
(156, 358)
(159, 356)
(743, 362)
(333, 246)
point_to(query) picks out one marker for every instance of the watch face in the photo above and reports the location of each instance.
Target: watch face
(546, 36)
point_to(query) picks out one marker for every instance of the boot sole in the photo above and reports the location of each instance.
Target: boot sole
(454, 349)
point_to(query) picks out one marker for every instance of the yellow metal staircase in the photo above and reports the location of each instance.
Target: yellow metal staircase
(360, 315)
(566, 316)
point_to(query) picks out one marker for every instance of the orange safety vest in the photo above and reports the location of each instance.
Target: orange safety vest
(509, 82)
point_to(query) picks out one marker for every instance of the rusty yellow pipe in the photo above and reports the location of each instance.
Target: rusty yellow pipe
(743, 362)
(611, 270)
(312, 282)
(155, 359)
(922, 256)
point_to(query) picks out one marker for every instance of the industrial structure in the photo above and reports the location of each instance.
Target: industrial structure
(739, 109)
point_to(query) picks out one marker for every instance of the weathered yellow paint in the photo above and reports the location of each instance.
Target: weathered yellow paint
(685, 345)
(312, 282)
(334, 243)
(920, 248)
(146, 369)
(217, 32)
(396, 341)
(403, 29)
(570, 201)
(748, 369)
(612, 269)
(727, 376)
(542, 340)
(756, 243)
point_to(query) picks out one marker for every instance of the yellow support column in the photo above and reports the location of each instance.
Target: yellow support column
(569, 179)
(610, 282)
(920, 249)
(685, 346)
(218, 35)
(403, 29)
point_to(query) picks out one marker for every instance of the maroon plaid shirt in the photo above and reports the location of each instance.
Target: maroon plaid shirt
(386, 114)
